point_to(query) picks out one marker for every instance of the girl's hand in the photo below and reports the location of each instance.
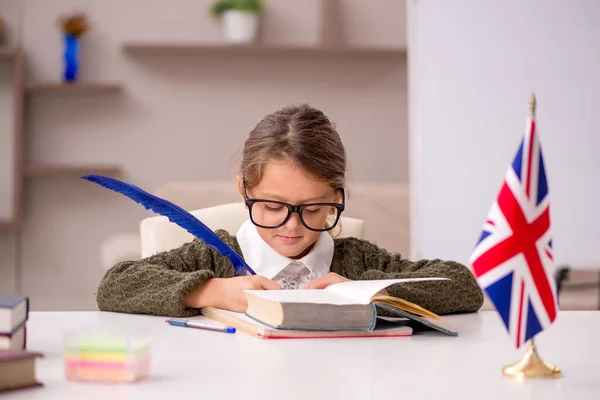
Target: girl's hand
(227, 293)
(321, 283)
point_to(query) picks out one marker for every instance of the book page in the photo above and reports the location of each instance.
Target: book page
(352, 292)
(361, 292)
(302, 296)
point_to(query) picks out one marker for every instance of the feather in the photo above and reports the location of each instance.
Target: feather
(176, 215)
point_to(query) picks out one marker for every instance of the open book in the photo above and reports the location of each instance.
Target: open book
(385, 327)
(346, 307)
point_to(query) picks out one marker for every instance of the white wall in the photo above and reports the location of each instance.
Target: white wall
(182, 118)
(473, 65)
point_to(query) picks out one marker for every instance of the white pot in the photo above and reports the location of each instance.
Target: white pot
(240, 27)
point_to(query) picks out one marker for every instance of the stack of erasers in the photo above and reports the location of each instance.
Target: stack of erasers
(101, 358)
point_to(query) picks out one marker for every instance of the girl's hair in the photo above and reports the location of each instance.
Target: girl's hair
(302, 134)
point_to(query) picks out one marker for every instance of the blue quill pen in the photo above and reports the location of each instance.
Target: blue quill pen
(176, 215)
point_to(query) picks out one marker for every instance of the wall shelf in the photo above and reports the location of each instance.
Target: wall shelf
(165, 49)
(69, 171)
(331, 43)
(7, 52)
(83, 87)
(5, 225)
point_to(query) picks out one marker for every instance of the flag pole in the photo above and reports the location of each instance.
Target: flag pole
(532, 365)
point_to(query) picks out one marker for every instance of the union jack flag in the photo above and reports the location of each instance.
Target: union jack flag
(512, 260)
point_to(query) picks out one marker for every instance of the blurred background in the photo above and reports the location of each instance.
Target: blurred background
(430, 98)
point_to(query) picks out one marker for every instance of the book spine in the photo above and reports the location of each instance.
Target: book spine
(374, 321)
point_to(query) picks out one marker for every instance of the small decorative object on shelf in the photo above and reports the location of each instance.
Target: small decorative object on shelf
(73, 27)
(241, 19)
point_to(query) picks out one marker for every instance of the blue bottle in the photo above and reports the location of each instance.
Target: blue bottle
(71, 58)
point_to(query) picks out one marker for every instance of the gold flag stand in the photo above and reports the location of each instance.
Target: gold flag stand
(532, 365)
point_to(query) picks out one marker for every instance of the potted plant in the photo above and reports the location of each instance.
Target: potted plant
(241, 19)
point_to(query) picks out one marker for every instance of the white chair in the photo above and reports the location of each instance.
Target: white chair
(384, 206)
(159, 234)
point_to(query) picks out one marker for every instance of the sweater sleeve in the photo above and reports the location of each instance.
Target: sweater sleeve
(158, 284)
(460, 293)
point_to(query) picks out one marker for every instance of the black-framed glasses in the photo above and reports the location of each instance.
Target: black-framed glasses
(271, 214)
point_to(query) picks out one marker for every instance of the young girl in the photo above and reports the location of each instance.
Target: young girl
(292, 179)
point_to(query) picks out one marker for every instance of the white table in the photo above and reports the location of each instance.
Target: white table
(190, 363)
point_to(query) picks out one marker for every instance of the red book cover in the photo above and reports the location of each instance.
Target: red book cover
(36, 384)
(15, 355)
(15, 332)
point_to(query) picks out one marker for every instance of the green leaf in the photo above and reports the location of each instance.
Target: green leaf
(221, 6)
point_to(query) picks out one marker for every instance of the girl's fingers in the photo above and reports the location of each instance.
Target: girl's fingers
(319, 283)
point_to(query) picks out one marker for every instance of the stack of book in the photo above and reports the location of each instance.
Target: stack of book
(17, 365)
(14, 312)
(344, 310)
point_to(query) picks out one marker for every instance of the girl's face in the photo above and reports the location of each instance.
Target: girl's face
(283, 181)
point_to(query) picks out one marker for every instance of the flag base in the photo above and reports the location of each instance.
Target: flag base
(532, 366)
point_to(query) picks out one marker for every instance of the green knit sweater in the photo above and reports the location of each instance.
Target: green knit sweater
(158, 284)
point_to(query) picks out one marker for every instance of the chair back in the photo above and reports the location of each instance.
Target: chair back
(159, 234)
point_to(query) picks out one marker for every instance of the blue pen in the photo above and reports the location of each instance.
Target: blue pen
(199, 325)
